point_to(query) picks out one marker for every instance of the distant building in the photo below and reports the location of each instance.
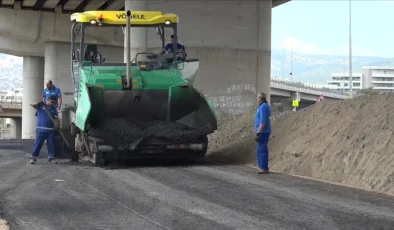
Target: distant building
(380, 78)
(341, 81)
(11, 96)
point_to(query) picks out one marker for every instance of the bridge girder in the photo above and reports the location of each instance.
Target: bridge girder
(69, 7)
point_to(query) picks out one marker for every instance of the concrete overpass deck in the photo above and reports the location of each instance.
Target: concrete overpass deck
(284, 89)
(71, 6)
(10, 109)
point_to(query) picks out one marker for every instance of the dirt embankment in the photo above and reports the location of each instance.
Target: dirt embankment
(349, 142)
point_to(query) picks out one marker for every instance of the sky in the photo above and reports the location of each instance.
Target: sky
(322, 27)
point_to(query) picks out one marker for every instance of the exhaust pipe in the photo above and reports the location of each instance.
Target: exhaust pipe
(128, 64)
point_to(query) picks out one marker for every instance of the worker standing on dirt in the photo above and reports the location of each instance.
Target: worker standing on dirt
(263, 131)
(52, 90)
(45, 128)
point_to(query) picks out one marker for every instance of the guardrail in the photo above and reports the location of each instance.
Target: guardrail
(310, 87)
(315, 92)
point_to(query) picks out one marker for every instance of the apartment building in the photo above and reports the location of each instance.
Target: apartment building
(11, 96)
(341, 81)
(378, 77)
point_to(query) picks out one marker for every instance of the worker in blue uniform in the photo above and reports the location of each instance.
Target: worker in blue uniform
(169, 48)
(52, 90)
(45, 128)
(263, 131)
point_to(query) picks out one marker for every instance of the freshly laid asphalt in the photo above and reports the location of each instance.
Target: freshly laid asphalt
(208, 195)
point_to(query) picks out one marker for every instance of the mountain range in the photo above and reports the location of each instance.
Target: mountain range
(317, 69)
(307, 68)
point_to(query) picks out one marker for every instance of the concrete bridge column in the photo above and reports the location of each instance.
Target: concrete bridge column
(264, 21)
(138, 36)
(33, 81)
(295, 96)
(58, 69)
(15, 128)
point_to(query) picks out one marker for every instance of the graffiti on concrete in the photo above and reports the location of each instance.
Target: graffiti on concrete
(228, 101)
(235, 100)
(242, 88)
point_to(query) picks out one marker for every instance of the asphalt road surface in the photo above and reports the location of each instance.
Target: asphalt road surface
(208, 195)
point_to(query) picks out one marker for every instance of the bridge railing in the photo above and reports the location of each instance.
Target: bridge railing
(310, 87)
(11, 101)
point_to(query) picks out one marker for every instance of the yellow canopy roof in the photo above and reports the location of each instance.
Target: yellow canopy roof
(120, 17)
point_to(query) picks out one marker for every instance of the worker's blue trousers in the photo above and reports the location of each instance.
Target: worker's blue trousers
(40, 138)
(262, 151)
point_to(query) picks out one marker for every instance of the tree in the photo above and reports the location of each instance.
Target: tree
(370, 91)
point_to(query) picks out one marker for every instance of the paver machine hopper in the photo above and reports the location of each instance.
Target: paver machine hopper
(150, 92)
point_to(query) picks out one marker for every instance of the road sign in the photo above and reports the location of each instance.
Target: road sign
(295, 103)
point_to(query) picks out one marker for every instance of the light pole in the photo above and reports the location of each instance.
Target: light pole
(291, 61)
(350, 50)
(283, 64)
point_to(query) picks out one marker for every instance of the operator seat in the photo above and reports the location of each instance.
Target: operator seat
(91, 54)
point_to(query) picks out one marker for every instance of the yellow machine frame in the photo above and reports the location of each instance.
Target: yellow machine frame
(145, 18)
(119, 18)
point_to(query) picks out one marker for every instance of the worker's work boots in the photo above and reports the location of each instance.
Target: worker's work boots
(52, 161)
(262, 171)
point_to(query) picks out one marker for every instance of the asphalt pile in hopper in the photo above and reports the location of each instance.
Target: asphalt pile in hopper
(349, 142)
(120, 131)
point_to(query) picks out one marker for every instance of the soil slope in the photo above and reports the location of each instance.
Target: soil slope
(349, 142)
